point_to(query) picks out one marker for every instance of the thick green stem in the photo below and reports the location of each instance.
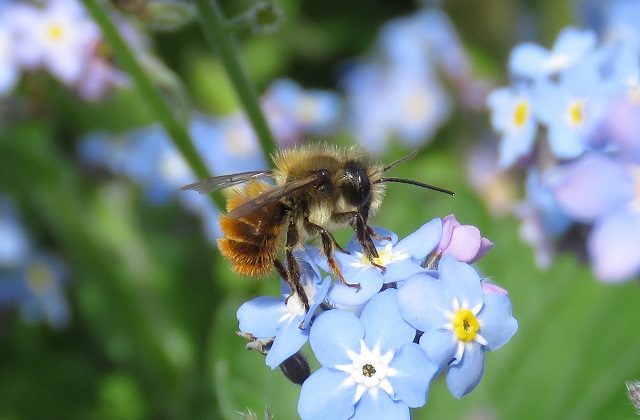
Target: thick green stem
(215, 30)
(153, 98)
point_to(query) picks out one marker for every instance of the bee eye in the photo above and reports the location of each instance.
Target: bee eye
(356, 187)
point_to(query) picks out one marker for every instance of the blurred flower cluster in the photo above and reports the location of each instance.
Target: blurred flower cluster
(227, 145)
(59, 37)
(570, 120)
(420, 311)
(396, 92)
(31, 280)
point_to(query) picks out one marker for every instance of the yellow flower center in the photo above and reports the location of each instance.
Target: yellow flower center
(308, 110)
(418, 106)
(465, 325)
(40, 278)
(55, 32)
(521, 114)
(576, 112)
(385, 256)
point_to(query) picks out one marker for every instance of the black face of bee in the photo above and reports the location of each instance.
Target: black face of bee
(356, 187)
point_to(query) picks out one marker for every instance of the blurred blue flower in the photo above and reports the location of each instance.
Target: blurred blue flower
(600, 190)
(371, 369)
(9, 67)
(512, 115)
(572, 108)
(293, 111)
(285, 319)
(532, 61)
(542, 219)
(459, 318)
(15, 246)
(36, 287)
(400, 259)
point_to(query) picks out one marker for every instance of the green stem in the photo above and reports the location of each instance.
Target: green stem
(215, 29)
(153, 98)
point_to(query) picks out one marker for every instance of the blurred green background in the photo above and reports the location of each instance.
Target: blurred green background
(152, 330)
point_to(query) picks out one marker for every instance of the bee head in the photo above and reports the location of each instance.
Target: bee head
(354, 184)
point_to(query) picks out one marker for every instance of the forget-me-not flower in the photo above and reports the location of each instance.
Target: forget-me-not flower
(285, 319)
(371, 369)
(459, 318)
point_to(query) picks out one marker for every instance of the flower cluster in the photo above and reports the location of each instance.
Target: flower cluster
(227, 145)
(420, 311)
(570, 119)
(396, 92)
(30, 280)
(60, 37)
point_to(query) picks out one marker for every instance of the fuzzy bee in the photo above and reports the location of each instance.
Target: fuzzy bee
(317, 189)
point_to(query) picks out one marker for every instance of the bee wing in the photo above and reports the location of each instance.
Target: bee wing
(272, 195)
(225, 181)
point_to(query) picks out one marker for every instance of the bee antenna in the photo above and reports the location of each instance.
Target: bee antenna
(399, 161)
(417, 183)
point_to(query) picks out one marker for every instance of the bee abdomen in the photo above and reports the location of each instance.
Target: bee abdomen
(251, 242)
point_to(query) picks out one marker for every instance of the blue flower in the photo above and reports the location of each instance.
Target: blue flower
(15, 245)
(293, 111)
(460, 320)
(543, 220)
(513, 117)
(371, 369)
(400, 259)
(572, 108)
(532, 61)
(284, 320)
(36, 287)
(604, 191)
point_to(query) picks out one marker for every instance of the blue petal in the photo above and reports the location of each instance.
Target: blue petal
(415, 371)
(613, 246)
(565, 142)
(497, 325)
(461, 280)
(289, 339)
(383, 323)
(260, 316)
(463, 377)
(423, 302)
(421, 242)
(354, 245)
(401, 270)
(440, 345)
(333, 334)
(380, 407)
(326, 395)
(370, 284)
(528, 60)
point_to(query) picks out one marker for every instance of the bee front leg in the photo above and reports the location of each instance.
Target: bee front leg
(293, 269)
(328, 242)
(363, 235)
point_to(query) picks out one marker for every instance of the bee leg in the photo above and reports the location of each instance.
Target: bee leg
(363, 236)
(375, 235)
(328, 242)
(293, 269)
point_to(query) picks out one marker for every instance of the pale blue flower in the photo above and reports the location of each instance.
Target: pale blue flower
(36, 287)
(512, 115)
(460, 320)
(285, 319)
(371, 369)
(15, 246)
(532, 61)
(600, 190)
(400, 259)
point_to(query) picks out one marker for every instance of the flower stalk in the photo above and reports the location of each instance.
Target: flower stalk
(217, 34)
(176, 129)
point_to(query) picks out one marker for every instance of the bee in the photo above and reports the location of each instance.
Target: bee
(316, 189)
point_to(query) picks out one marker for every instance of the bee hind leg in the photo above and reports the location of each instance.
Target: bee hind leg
(328, 242)
(293, 269)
